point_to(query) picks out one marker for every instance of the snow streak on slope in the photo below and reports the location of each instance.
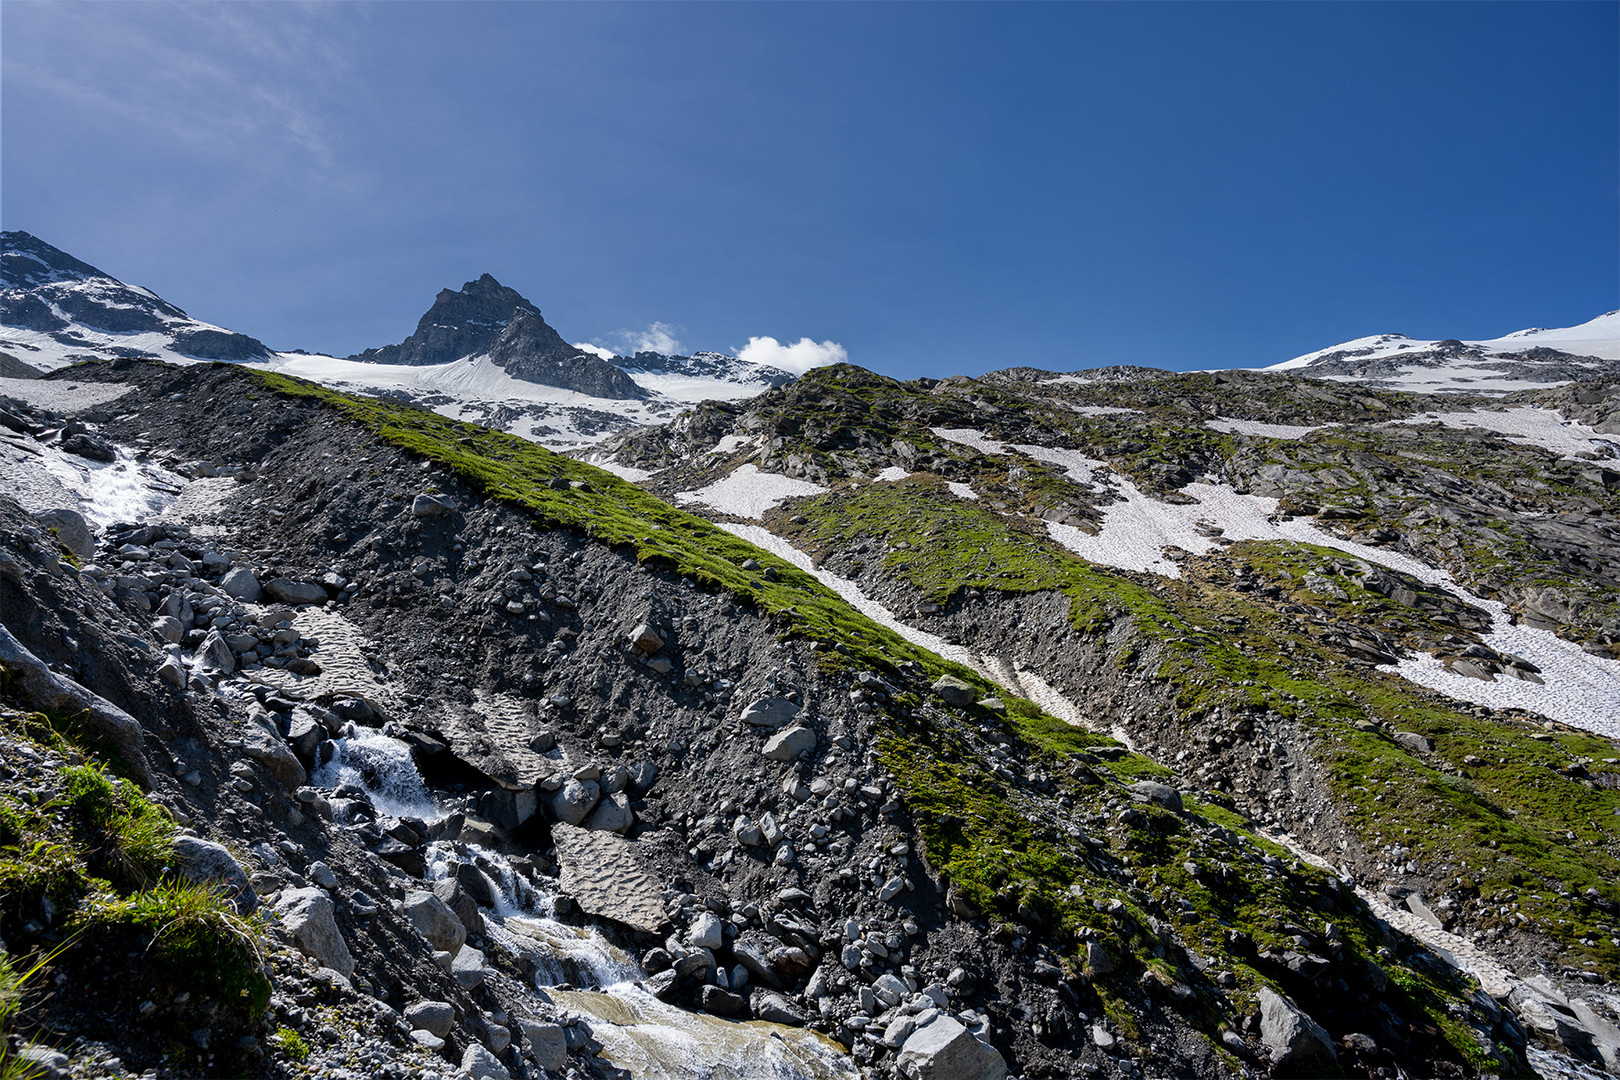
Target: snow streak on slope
(1535, 427)
(747, 492)
(1264, 430)
(1139, 532)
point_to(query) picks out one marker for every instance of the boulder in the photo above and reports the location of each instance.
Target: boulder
(573, 802)
(277, 758)
(99, 719)
(547, 1044)
(723, 1002)
(461, 901)
(612, 814)
(432, 506)
(435, 921)
(307, 916)
(468, 968)
(288, 591)
(790, 744)
(1163, 794)
(645, 638)
(71, 530)
(772, 1007)
(955, 692)
(1292, 1039)
(478, 1062)
(1411, 740)
(201, 861)
(242, 584)
(435, 1016)
(706, 932)
(945, 1050)
(770, 712)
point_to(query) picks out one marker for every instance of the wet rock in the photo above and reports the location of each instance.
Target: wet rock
(201, 860)
(776, 1009)
(945, 1050)
(463, 893)
(1292, 1039)
(277, 758)
(307, 916)
(723, 1002)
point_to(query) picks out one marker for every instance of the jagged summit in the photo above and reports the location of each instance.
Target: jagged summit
(58, 310)
(486, 318)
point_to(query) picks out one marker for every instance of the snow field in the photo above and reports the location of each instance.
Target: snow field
(1527, 425)
(1265, 431)
(748, 493)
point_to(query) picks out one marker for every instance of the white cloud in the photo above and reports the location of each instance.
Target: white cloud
(797, 358)
(599, 350)
(658, 338)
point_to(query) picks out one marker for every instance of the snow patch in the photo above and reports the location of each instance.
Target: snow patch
(893, 474)
(60, 396)
(748, 493)
(1093, 410)
(625, 472)
(961, 491)
(730, 444)
(1527, 425)
(1264, 430)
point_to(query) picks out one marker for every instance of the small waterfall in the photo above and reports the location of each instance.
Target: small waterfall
(382, 766)
(639, 1033)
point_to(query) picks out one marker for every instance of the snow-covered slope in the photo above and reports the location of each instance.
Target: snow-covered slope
(1522, 360)
(57, 310)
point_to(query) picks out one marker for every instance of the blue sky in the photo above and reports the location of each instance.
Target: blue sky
(937, 188)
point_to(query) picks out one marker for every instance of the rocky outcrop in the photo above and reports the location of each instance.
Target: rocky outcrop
(486, 318)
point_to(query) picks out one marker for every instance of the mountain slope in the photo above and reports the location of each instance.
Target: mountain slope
(56, 310)
(469, 644)
(1527, 359)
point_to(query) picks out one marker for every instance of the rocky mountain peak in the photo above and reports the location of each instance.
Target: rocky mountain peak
(486, 318)
(28, 261)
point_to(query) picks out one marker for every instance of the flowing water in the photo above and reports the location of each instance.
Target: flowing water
(579, 969)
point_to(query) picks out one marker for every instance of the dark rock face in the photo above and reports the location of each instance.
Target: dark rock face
(486, 317)
(709, 365)
(48, 291)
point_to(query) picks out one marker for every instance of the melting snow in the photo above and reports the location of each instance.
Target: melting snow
(893, 474)
(1530, 426)
(748, 493)
(961, 491)
(730, 444)
(1095, 410)
(60, 396)
(624, 472)
(1266, 431)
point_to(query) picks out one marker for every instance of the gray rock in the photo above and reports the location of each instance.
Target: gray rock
(307, 916)
(770, 712)
(1163, 794)
(790, 744)
(100, 719)
(462, 900)
(546, 1043)
(1291, 1037)
(172, 672)
(201, 860)
(242, 584)
(706, 932)
(612, 814)
(774, 1008)
(435, 921)
(435, 1016)
(432, 506)
(646, 639)
(322, 875)
(945, 1050)
(1098, 962)
(169, 629)
(288, 591)
(71, 530)
(38, 1062)
(953, 691)
(573, 802)
(468, 968)
(268, 750)
(215, 654)
(889, 990)
(480, 1064)
(606, 876)
(723, 1002)
(1413, 741)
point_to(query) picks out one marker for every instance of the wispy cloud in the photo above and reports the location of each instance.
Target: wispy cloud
(658, 337)
(798, 358)
(245, 82)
